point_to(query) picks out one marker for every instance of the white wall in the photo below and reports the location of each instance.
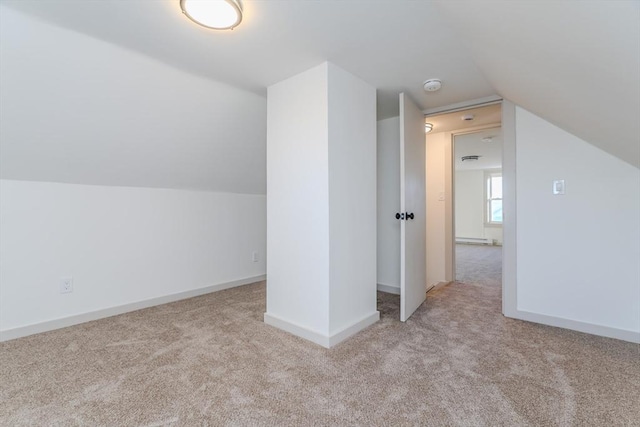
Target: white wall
(577, 254)
(79, 110)
(352, 199)
(469, 194)
(121, 245)
(470, 205)
(298, 200)
(388, 203)
(439, 259)
(321, 210)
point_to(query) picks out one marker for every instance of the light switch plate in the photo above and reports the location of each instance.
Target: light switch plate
(558, 187)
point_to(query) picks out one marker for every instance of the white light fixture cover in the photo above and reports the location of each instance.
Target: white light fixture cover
(432, 85)
(428, 127)
(214, 14)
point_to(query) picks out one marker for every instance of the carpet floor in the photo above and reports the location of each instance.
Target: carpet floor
(479, 264)
(211, 361)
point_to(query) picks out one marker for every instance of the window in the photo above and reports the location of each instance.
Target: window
(494, 198)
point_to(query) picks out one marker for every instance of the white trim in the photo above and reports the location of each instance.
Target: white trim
(390, 289)
(575, 325)
(354, 328)
(318, 337)
(76, 319)
(464, 105)
(509, 210)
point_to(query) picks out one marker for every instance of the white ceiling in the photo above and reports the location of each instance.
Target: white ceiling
(482, 116)
(132, 93)
(574, 63)
(470, 144)
(393, 45)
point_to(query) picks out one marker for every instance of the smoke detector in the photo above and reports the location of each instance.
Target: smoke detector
(432, 85)
(468, 117)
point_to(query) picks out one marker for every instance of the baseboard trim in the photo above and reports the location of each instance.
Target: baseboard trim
(574, 325)
(64, 322)
(326, 341)
(389, 289)
(343, 334)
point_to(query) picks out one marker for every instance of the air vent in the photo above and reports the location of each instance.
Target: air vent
(474, 157)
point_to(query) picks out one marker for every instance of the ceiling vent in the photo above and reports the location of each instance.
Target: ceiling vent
(474, 157)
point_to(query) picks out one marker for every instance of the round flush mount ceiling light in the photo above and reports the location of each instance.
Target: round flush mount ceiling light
(214, 14)
(428, 127)
(432, 85)
(468, 117)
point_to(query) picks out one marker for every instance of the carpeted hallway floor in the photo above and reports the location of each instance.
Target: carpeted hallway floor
(211, 361)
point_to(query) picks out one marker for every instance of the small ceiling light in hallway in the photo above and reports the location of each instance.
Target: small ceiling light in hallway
(432, 85)
(214, 14)
(428, 127)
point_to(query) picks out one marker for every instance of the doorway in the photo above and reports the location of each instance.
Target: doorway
(477, 185)
(475, 242)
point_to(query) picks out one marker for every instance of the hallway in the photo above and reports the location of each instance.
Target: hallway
(479, 264)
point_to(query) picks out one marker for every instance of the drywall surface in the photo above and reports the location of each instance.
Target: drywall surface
(79, 110)
(120, 244)
(352, 199)
(470, 205)
(469, 194)
(436, 146)
(298, 200)
(577, 253)
(388, 202)
(321, 210)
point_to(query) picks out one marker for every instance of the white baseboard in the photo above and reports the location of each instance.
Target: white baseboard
(344, 333)
(319, 338)
(51, 325)
(389, 289)
(574, 325)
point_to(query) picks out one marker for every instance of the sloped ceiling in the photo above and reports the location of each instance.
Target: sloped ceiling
(575, 64)
(132, 93)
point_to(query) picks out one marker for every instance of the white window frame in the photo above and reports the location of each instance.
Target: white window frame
(487, 200)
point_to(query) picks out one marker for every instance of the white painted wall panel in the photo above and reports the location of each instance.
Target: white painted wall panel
(388, 202)
(352, 199)
(120, 244)
(577, 254)
(298, 200)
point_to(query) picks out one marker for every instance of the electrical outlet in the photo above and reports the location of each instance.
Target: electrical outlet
(66, 285)
(254, 257)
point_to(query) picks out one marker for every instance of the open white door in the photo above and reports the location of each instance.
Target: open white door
(413, 273)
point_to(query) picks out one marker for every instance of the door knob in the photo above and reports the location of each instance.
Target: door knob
(399, 216)
(410, 215)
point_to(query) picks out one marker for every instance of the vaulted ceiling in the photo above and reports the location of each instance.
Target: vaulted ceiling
(576, 64)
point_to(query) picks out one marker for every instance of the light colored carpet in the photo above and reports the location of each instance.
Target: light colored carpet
(479, 264)
(211, 360)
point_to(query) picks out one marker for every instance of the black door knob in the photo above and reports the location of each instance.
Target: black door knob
(410, 215)
(399, 216)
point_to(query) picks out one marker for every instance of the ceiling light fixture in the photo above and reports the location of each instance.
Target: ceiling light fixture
(474, 157)
(468, 117)
(432, 85)
(428, 127)
(214, 14)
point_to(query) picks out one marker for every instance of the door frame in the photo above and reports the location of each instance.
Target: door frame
(450, 188)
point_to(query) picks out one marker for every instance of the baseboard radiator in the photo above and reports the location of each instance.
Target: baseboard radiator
(474, 241)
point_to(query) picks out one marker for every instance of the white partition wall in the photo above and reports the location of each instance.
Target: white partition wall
(321, 205)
